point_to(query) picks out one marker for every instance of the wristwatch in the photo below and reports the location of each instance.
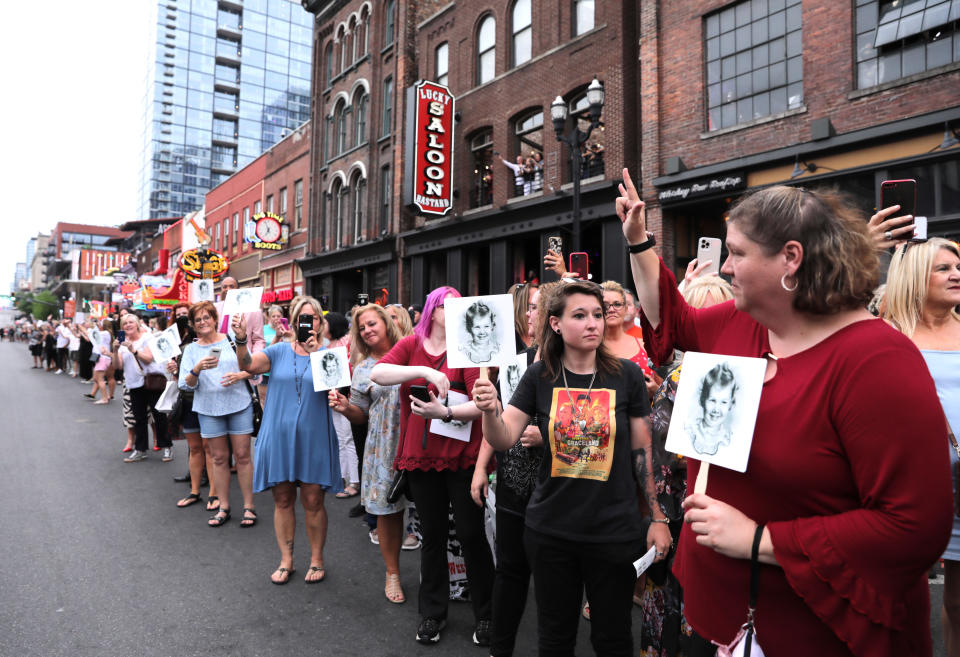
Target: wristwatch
(449, 417)
(643, 246)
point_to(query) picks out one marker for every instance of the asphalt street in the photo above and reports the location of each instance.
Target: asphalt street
(97, 560)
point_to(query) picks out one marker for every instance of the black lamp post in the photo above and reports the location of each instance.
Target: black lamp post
(574, 140)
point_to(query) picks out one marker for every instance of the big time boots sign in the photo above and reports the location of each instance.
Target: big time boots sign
(428, 175)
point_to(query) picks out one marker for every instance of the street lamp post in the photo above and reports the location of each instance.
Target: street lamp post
(574, 140)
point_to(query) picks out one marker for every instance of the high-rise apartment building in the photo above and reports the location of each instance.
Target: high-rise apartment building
(226, 80)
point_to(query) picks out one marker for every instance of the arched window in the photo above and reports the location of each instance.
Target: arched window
(342, 43)
(529, 131)
(360, 102)
(486, 50)
(340, 127)
(363, 32)
(521, 45)
(336, 211)
(388, 23)
(358, 187)
(328, 63)
(582, 16)
(441, 63)
(352, 31)
(481, 152)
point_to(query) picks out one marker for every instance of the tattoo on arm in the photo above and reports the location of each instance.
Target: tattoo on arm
(245, 359)
(641, 458)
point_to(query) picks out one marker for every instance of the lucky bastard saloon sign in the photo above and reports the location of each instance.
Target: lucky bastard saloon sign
(429, 158)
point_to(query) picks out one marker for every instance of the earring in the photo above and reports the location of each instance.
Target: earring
(783, 284)
(557, 331)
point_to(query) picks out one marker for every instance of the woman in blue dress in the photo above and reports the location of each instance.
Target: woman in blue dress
(297, 444)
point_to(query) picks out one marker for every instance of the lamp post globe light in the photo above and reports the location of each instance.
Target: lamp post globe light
(574, 139)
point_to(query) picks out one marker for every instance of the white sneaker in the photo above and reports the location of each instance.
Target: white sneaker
(411, 542)
(374, 537)
(167, 454)
(135, 455)
(59, 372)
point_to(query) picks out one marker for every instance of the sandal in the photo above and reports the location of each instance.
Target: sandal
(285, 573)
(128, 448)
(217, 519)
(211, 500)
(349, 491)
(189, 500)
(247, 521)
(393, 591)
(315, 569)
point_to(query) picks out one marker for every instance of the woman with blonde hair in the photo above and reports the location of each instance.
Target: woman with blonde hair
(401, 318)
(373, 334)
(922, 299)
(521, 293)
(620, 343)
(297, 444)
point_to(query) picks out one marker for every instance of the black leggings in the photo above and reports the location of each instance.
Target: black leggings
(512, 580)
(434, 492)
(141, 400)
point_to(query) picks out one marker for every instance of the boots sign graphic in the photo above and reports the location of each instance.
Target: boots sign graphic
(428, 179)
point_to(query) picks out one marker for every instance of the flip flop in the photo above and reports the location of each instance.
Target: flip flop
(248, 522)
(345, 494)
(211, 500)
(315, 569)
(289, 573)
(189, 500)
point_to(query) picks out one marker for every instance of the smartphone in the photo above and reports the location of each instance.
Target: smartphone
(304, 326)
(285, 323)
(363, 299)
(215, 352)
(555, 244)
(708, 248)
(899, 192)
(919, 229)
(421, 393)
(121, 336)
(580, 264)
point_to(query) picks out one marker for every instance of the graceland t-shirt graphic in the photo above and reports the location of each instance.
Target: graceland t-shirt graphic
(583, 434)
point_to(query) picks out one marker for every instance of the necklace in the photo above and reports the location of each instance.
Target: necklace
(573, 407)
(298, 377)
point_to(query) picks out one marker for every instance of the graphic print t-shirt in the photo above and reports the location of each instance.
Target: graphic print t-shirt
(586, 490)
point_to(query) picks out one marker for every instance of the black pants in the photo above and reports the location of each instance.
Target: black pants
(86, 365)
(143, 401)
(63, 360)
(434, 492)
(561, 571)
(512, 580)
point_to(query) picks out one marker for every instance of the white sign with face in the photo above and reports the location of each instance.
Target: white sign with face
(456, 429)
(510, 375)
(331, 368)
(480, 331)
(716, 409)
(242, 300)
(201, 290)
(165, 345)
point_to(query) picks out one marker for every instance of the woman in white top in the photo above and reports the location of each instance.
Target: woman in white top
(137, 362)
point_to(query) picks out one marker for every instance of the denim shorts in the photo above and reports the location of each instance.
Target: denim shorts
(234, 424)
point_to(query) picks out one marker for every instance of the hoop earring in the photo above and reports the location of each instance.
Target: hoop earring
(783, 284)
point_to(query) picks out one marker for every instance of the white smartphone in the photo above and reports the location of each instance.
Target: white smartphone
(919, 229)
(555, 244)
(215, 352)
(708, 248)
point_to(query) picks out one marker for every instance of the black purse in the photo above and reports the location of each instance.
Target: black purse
(399, 487)
(254, 399)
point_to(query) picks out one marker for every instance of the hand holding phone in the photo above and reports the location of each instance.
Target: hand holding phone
(580, 264)
(215, 353)
(285, 323)
(555, 244)
(304, 327)
(899, 192)
(708, 249)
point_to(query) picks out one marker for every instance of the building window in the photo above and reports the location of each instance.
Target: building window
(481, 151)
(336, 211)
(352, 39)
(363, 36)
(388, 23)
(342, 38)
(896, 39)
(216, 239)
(328, 64)
(359, 187)
(256, 208)
(236, 223)
(340, 121)
(360, 100)
(330, 147)
(386, 194)
(521, 45)
(297, 204)
(486, 49)
(270, 203)
(387, 126)
(529, 133)
(225, 235)
(754, 61)
(283, 202)
(582, 16)
(441, 63)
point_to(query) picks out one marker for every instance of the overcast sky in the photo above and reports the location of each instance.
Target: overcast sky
(72, 81)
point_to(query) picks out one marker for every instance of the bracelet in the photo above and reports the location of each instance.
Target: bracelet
(239, 342)
(449, 417)
(665, 521)
(643, 246)
(195, 375)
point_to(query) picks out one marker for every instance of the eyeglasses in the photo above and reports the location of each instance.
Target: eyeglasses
(618, 305)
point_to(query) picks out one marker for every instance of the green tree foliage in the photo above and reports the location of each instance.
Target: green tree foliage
(45, 303)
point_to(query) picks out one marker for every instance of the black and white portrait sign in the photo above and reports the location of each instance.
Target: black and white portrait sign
(166, 345)
(480, 331)
(510, 374)
(242, 300)
(716, 409)
(202, 290)
(331, 368)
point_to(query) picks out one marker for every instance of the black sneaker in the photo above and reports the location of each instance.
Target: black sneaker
(429, 630)
(357, 511)
(481, 635)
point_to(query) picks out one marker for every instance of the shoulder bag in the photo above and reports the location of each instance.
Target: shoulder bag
(745, 643)
(151, 381)
(254, 398)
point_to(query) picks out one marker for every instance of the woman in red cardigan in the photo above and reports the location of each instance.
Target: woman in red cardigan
(847, 477)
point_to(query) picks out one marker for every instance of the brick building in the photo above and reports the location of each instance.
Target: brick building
(741, 95)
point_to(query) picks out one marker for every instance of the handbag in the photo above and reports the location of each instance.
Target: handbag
(151, 381)
(254, 399)
(400, 486)
(745, 643)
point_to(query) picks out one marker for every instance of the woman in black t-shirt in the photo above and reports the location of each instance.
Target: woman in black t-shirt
(584, 527)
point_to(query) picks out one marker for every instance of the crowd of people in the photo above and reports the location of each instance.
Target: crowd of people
(822, 546)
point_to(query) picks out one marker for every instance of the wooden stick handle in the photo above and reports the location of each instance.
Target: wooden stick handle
(484, 374)
(701, 485)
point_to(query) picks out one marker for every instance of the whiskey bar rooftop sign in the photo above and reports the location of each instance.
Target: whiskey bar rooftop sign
(428, 179)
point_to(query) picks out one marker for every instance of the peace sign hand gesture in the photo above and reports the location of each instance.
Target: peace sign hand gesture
(630, 209)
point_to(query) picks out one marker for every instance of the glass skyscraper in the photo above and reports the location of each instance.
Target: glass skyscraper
(227, 79)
